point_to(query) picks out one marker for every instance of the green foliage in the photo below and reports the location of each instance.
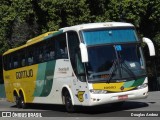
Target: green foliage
(127, 10)
(61, 13)
(157, 43)
(98, 10)
(21, 20)
(14, 14)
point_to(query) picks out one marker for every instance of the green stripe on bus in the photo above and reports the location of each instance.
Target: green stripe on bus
(138, 82)
(129, 84)
(50, 67)
(40, 79)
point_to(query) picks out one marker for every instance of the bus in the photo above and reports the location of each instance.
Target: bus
(82, 65)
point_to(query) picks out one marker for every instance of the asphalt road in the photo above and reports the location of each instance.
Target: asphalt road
(136, 108)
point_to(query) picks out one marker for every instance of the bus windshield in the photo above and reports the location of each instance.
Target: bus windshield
(113, 56)
(106, 62)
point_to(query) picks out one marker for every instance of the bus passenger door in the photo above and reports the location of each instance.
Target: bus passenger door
(82, 91)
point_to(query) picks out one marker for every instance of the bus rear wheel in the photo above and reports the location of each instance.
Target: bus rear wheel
(22, 102)
(17, 101)
(68, 102)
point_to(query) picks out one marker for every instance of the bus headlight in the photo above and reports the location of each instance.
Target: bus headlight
(98, 91)
(142, 86)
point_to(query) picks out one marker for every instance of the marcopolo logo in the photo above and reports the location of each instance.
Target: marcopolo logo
(24, 74)
(63, 70)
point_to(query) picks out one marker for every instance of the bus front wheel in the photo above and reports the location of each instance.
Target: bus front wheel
(68, 102)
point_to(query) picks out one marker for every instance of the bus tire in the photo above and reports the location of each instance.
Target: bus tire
(68, 102)
(17, 101)
(22, 102)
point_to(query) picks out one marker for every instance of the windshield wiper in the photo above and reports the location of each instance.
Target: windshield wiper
(130, 72)
(110, 72)
(113, 69)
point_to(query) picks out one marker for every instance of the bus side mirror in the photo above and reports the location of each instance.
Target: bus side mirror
(150, 46)
(84, 52)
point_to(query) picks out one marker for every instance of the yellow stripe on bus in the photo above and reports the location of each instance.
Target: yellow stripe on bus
(112, 87)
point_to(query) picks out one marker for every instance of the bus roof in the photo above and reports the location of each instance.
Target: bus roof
(97, 25)
(32, 41)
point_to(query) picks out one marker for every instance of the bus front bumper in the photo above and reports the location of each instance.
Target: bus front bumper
(99, 99)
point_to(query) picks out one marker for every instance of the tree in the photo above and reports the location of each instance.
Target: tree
(22, 20)
(63, 13)
(17, 23)
(98, 10)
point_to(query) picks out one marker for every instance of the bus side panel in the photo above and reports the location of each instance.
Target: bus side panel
(21, 79)
(8, 83)
(8, 86)
(44, 80)
(65, 78)
(62, 76)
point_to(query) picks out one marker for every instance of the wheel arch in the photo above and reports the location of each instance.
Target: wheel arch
(15, 92)
(67, 88)
(22, 93)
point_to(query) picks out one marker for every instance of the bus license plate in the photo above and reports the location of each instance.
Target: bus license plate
(123, 97)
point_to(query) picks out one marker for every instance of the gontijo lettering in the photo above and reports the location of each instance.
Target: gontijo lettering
(24, 74)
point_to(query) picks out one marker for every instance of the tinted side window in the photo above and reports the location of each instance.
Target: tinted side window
(73, 44)
(15, 60)
(30, 55)
(51, 49)
(22, 60)
(75, 56)
(61, 46)
(7, 62)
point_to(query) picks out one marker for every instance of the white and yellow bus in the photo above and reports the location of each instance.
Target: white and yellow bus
(85, 65)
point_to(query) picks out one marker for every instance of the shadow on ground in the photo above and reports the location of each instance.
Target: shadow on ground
(102, 110)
